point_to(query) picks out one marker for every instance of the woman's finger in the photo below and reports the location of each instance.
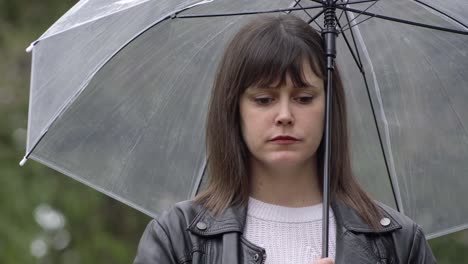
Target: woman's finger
(324, 261)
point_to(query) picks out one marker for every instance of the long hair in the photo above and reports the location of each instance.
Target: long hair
(268, 48)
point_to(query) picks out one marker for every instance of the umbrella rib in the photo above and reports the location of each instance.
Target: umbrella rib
(249, 13)
(349, 22)
(358, 62)
(342, 11)
(344, 3)
(349, 27)
(199, 181)
(355, 2)
(321, 5)
(354, 42)
(315, 17)
(26, 157)
(439, 11)
(317, 1)
(311, 18)
(403, 21)
(361, 69)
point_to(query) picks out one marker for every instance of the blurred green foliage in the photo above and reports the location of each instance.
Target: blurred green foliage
(100, 229)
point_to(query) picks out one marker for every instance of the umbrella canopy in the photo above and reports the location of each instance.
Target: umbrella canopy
(119, 93)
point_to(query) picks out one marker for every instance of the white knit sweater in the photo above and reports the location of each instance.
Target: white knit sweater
(289, 235)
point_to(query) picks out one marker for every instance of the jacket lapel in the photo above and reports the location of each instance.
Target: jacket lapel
(351, 246)
(230, 224)
(231, 220)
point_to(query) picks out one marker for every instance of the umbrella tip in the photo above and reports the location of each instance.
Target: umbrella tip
(30, 48)
(23, 161)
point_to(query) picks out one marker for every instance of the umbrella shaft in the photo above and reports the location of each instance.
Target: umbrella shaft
(329, 34)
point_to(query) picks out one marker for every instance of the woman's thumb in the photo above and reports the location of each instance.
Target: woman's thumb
(324, 261)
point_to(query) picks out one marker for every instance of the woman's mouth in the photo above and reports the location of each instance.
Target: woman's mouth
(284, 140)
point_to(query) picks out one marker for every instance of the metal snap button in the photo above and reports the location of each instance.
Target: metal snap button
(201, 226)
(385, 221)
(256, 257)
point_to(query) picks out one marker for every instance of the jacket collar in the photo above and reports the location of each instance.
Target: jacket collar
(350, 220)
(230, 220)
(233, 220)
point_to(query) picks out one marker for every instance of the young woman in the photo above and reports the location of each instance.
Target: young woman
(264, 142)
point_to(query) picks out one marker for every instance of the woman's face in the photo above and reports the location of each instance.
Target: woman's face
(283, 126)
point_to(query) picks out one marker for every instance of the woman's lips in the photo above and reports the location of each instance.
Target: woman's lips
(284, 140)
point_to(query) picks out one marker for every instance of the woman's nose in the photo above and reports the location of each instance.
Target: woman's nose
(284, 116)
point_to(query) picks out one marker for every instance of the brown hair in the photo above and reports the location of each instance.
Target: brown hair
(263, 50)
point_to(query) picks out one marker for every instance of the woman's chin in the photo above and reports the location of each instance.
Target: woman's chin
(286, 160)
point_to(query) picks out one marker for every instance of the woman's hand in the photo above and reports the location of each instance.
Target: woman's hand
(324, 261)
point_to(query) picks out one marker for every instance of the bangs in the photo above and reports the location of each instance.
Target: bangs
(272, 55)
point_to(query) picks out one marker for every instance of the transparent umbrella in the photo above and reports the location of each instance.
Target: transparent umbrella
(119, 92)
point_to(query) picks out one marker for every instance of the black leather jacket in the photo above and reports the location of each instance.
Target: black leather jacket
(190, 234)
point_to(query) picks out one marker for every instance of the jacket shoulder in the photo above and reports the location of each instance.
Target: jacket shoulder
(183, 212)
(410, 242)
(166, 240)
(404, 221)
(176, 220)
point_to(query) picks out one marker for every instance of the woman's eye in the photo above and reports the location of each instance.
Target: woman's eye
(304, 99)
(263, 100)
